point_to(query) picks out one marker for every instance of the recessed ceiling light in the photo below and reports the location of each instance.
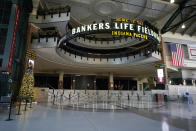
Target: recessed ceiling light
(172, 1)
(183, 26)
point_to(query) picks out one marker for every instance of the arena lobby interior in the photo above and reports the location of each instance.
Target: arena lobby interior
(98, 65)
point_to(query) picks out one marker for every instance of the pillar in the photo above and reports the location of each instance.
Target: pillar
(35, 6)
(184, 82)
(193, 82)
(139, 84)
(164, 62)
(73, 82)
(60, 84)
(111, 81)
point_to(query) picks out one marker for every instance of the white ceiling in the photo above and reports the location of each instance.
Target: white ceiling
(88, 11)
(48, 61)
(85, 11)
(155, 11)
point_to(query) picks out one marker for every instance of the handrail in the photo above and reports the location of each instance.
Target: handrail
(51, 87)
(65, 9)
(113, 55)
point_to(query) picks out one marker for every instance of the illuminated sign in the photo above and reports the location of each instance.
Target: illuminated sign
(121, 27)
(160, 75)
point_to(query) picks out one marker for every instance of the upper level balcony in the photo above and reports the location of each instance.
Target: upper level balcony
(57, 17)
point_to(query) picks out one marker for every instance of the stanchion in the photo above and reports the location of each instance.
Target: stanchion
(78, 98)
(53, 99)
(19, 105)
(118, 97)
(106, 101)
(96, 99)
(69, 96)
(88, 100)
(26, 104)
(138, 97)
(61, 99)
(93, 101)
(103, 101)
(121, 103)
(31, 102)
(10, 111)
(148, 101)
(128, 97)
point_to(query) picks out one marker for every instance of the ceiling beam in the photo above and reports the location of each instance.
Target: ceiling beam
(190, 14)
(175, 29)
(179, 23)
(192, 23)
(193, 32)
(173, 17)
(164, 2)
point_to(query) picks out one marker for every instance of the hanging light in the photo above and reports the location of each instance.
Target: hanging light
(183, 26)
(172, 1)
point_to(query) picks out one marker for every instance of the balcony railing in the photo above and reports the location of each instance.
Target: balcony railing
(102, 60)
(51, 15)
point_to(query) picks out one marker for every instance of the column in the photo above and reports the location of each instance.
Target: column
(73, 83)
(35, 7)
(60, 84)
(164, 62)
(139, 84)
(184, 82)
(193, 82)
(111, 81)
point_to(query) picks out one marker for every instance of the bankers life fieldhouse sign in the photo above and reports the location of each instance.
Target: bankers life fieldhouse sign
(122, 27)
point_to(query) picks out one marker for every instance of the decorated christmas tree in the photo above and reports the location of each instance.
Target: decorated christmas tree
(26, 89)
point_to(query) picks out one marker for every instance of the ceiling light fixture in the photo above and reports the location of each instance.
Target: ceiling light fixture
(183, 26)
(172, 1)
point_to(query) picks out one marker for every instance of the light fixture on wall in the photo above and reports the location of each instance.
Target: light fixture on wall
(172, 1)
(170, 82)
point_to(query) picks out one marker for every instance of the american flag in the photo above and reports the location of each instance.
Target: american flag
(177, 54)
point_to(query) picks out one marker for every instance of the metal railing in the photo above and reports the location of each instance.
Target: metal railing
(103, 101)
(16, 109)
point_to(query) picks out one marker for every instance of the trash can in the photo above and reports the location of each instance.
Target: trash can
(159, 97)
(165, 98)
(156, 97)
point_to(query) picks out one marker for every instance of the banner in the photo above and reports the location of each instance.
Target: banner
(192, 52)
(14, 37)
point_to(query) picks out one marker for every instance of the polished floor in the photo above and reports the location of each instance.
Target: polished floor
(171, 117)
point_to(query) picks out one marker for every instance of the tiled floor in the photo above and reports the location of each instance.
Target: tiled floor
(173, 117)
